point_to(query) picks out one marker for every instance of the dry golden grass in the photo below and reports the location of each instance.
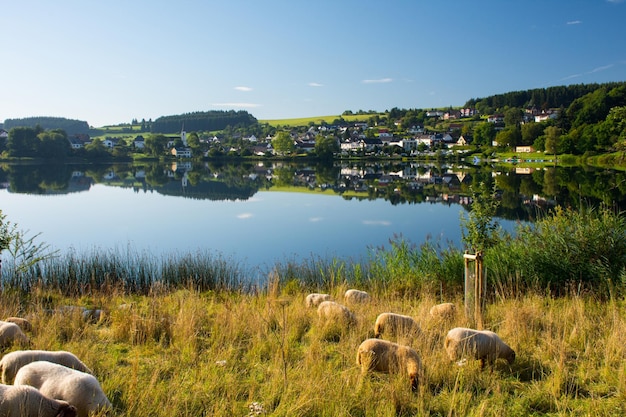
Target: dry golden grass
(183, 353)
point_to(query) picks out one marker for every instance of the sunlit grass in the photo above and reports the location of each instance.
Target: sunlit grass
(190, 353)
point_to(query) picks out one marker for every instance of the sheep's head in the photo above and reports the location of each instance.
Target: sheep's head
(66, 410)
(414, 382)
(510, 357)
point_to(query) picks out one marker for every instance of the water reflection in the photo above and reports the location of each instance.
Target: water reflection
(523, 191)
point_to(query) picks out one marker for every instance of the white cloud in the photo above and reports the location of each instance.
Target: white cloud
(615, 1)
(574, 22)
(569, 77)
(244, 215)
(316, 85)
(243, 88)
(377, 222)
(316, 219)
(252, 105)
(598, 69)
(379, 81)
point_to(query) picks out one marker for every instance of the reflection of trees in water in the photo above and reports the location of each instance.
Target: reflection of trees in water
(523, 196)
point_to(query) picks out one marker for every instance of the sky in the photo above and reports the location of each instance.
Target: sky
(109, 62)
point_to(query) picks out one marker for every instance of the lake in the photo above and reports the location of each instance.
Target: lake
(260, 213)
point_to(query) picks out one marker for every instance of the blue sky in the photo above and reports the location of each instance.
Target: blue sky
(108, 62)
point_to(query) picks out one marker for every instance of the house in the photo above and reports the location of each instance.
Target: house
(524, 149)
(139, 142)
(496, 118)
(110, 142)
(181, 152)
(468, 112)
(464, 140)
(452, 114)
(546, 116)
(434, 113)
(4, 134)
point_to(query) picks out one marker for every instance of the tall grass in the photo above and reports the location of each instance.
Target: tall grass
(196, 335)
(191, 353)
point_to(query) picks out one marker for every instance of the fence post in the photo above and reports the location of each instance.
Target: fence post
(475, 287)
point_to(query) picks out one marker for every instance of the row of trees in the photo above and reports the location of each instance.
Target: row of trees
(70, 126)
(202, 121)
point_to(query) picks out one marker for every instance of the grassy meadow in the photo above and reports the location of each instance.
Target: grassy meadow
(229, 353)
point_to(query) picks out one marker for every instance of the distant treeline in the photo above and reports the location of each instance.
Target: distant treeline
(540, 98)
(71, 127)
(203, 121)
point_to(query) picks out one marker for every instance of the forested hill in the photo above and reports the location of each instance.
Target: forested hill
(203, 121)
(71, 127)
(541, 98)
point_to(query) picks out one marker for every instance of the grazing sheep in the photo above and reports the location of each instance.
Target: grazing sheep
(394, 325)
(314, 300)
(13, 361)
(78, 388)
(332, 311)
(482, 345)
(356, 296)
(385, 356)
(24, 401)
(11, 333)
(23, 323)
(443, 311)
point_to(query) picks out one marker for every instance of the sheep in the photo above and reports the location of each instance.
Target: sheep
(443, 311)
(11, 333)
(314, 299)
(394, 325)
(389, 357)
(356, 296)
(13, 361)
(482, 345)
(78, 388)
(22, 322)
(25, 401)
(332, 311)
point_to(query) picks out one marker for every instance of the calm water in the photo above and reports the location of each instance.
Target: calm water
(267, 227)
(237, 212)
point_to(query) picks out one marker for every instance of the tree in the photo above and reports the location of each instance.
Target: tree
(531, 131)
(509, 137)
(513, 116)
(484, 134)
(283, 144)
(326, 147)
(553, 134)
(23, 141)
(54, 144)
(155, 144)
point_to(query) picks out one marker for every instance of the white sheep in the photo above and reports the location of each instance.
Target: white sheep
(331, 311)
(24, 324)
(13, 361)
(80, 389)
(11, 333)
(353, 296)
(388, 357)
(443, 311)
(395, 325)
(314, 299)
(25, 401)
(483, 345)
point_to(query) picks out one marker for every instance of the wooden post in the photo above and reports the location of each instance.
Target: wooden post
(474, 288)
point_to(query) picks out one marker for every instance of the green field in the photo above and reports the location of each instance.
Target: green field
(305, 121)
